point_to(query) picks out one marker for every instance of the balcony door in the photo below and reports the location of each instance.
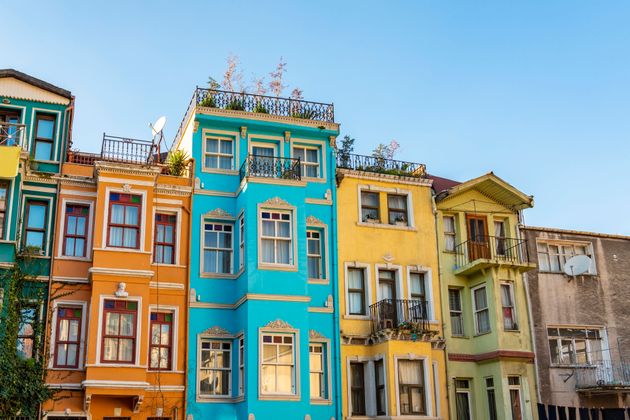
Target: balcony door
(8, 132)
(477, 237)
(387, 293)
(263, 162)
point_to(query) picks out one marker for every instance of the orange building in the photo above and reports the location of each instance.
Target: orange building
(119, 287)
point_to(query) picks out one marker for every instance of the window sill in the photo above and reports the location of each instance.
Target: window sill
(219, 171)
(465, 337)
(277, 267)
(312, 179)
(318, 281)
(512, 331)
(167, 265)
(357, 317)
(278, 397)
(36, 256)
(222, 276)
(216, 399)
(115, 249)
(446, 251)
(482, 334)
(46, 161)
(62, 369)
(66, 258)
(387, 226)
(320, 401)
(116, 365)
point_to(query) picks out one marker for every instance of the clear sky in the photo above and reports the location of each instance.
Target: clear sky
(536, 91)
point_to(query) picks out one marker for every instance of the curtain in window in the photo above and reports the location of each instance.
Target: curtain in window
(506, 302)
(410, 372)
(417, 285)
(397, 202)
(355, 299)
(268, 254)
(499, 233)
(461, 403)
(481, 305)
(284, 251)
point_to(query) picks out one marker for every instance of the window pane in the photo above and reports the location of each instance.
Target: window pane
(285, 379)
(131, 215)
(74, 330)
(130, 240)
(283, 252)
(116, 236)
(417, 284)
(284, 229)
(35, 239)
(225, 162)
(210, 261)
(45, 128)
(226, 147)
(313, 267)
(285, 354)
(125, 350)
(36, 216)
(72, 352)
(118, 214)
(43, 150)
(268, 228)
(268, 378)
(62, 351)
(110, 349)
(369, 199)
(212, 145)
(212, 162)
(112, 323)
(126, 324)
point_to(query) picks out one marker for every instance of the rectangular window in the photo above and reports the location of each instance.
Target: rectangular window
(4, 194)
(500, 237)
(217, 248)
(379, 378)
(580, 346)
(161, 345)
(314, 254)
(67, 337)
(215, 369)
(9, 132)
(75, 232)
(514, 385)
(241, 366)
(449, 233)
(357, 389)
(397, 209)
(356, 291)
(553, 256)
(278, 364)
(241, 242)
(457, 315)
(462, 399)
(507, 303)
(26, 332)
(417, 287)
(119, 331)
(492, 401)
(164, 242)
(35, 231)
(124, 220)
(276, 238)
(370, 211)
(309, 160)
(218, 153)
(411, 387)
(480, 308)
(317, 371)
(44, 137)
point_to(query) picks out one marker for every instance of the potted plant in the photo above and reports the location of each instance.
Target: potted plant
(177, 161)
(371, 219)
(400, 221)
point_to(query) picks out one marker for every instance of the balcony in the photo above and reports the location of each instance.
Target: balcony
(408, 317)
(380, 165)
(12, 134)
(491, 251)
(271, 167)
(603, 377)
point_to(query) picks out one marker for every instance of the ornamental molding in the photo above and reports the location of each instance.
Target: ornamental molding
(30, 177)
(121, 292)
(287, 136)
(268, 117)
(279, 324)
(314, 221)
(276, 201)
(312, 334)
(163, 189)
(196, 126)
(243, 131)
(218, 213)
(216, 331)
(77, 182)
(333, 141)
(388, 258)
(126, 188)
(127, 168)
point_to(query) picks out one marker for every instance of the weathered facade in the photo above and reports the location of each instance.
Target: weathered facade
(581, 324)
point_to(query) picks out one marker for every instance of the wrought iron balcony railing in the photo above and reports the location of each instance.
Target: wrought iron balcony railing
(502, 250)
(271, 167)
(603, 375)
(402, 314)
(12, 134)
(126, 150)
(380, 165)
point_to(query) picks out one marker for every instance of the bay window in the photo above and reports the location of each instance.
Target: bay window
(480, 308)
(507, 303)
(215, 368)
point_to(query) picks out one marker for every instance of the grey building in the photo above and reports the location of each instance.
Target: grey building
(581, 323)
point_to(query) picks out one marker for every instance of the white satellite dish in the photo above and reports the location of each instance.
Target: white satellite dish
(577, 265)
(158, 126)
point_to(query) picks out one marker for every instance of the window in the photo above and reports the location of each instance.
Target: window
(397, 209)
(218, 153)
(215, 369)
(241, 366)
(241, 242)
(160, 347)
(357, 389)
(379, 377)
(164, 242)
(75, 232)
(119, 331)
(217, 248)
(575, 346)
(314, 254)
(309, 161)
(67, 337)
(4, 193)
(124, 220)
(44, 136)
(356, 291)
(492, 401)
(278, 364)
(500, 237)
(417, 286)
(9, 134)
(457, 315)
(462, 399)
(449, 233)
(317, 372)
(411, 387)
(507, 302)
(26, 332)
(387, 284)
(276, 238)
(514, 385)
(35, 232)
(370, 207)
(480, 308)
(553, 256)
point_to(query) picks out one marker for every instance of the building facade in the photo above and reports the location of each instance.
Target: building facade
(262, 335)
(488, 339)
(581, 323)
(393, 361)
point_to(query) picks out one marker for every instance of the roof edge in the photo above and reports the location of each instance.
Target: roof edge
(35, 82)
(527, 200)
(575, 232)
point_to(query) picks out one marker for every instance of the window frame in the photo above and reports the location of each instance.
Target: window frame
(491, 398)
(199, 368)
(123, 226)
(562, 256)
(5, 185)
(364, 206)
(172, 244)
(29, 203)
(321, 372)
(304, 163)
(218, 155)
(159, 346)
(518, 388)
(405, 211)
(464, 390)
(241, 242)
(104, 335)
(58, 342)
(310, 232)
(459, 311)
(49, 117)
(217, 249)
(74, 236)
(33, 336)
(295, 365)
(448, 233)
(514, 317)
(573, 353)
(364, 291)
(422, 387)
(354, 388)
(478, 311)
(275, 239)
(380, 411)
(241, 365)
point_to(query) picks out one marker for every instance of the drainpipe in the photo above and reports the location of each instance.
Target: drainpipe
(335, 284)
(189, 212)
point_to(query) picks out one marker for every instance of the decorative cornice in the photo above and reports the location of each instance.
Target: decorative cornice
(77, 181)
(163, 189)
(279, 324)
(394, 179)
(268, 117)
(218, 213)
(216, 331)
(333, 141)
(312, 334)
(29, 177)
(276, 201)
(314, 221)
(243, 131)
(127, 168)
(526, 356)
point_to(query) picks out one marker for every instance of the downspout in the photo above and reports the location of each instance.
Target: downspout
(335, 284)
(189, 212)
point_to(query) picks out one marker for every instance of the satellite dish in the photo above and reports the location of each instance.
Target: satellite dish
(158, 126)
(577, 265)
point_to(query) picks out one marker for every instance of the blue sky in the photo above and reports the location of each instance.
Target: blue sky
(536, 91)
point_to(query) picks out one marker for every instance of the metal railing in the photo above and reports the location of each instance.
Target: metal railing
(12, 134)
(126, 150)
(407, 314)
(271, 167)
(82, 158)
(509, 250)
(380, 165)
(603, 374)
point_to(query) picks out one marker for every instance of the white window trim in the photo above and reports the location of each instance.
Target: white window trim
(384, 212)
(178, 233)
(53, 333)
(262, 140)
(30, 197)
(521, 395)
(561, 242)
(475, 310)
(428, 284)
(142, 215)
(369, 386)
(467, 391)
(99, 332)
(241, 363)
(204, 273)
(292, 210)
(453, 234)
(241, 241)
(325, 343)
(515, 319)
(322, 152)
(31, 139)
(427, 390)
(62, 229)
(174, 335)
(234, 136)
(223, 339)
(323, 229)
(296, 363)
(397, 278)
(368, 292)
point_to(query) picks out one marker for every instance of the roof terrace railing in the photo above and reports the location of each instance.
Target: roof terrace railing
(126, 150)
(380, 165)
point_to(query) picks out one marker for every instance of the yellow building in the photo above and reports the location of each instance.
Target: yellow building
(392, 354)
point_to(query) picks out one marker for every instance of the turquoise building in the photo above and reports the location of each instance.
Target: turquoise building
(263, 321)
(35, 129)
